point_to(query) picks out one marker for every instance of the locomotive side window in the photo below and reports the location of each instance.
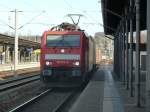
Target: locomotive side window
(63, 40)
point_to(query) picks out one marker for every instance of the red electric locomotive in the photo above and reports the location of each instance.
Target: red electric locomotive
(67, 55)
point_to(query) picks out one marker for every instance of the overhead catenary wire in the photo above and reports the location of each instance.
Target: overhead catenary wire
(4, 23)
(111, 12)
(43, 24)
(103, 35)
(99, 23)
(4, 6)
(31, 19)
(96, 20)
(80, 10)
(68, 4)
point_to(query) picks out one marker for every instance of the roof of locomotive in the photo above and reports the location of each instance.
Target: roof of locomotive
(64, 33)
(66, 29)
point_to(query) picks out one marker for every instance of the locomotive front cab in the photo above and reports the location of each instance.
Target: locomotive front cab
(61, 57)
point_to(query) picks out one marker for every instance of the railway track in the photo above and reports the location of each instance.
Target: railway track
(18, 82)
(32, 100)
(64, 102)
(50, 100)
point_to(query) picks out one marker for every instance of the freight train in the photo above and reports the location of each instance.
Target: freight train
(67, 56)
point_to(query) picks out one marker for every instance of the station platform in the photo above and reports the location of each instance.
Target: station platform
(6, 70)
(9, 67)
(104, 94)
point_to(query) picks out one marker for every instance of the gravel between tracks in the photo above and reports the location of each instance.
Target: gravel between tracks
(49, 102)
(12, 98)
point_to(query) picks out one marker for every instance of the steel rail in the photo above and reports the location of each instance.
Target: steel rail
(18, 83)
(32, 100)
(62, 104)
(17, 79)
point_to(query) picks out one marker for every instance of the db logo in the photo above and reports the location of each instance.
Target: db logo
(62, 62)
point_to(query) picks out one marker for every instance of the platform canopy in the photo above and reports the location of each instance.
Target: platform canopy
(111, 21)
(9, 40)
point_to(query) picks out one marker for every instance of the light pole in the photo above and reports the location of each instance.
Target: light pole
(16, 28)
(16, 41)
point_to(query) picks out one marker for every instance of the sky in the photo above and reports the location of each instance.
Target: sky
(36, 16)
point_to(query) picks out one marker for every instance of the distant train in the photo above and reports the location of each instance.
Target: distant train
(67, 55)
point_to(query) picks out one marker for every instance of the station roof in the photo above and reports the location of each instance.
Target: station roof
(111, 21)
(5, 39)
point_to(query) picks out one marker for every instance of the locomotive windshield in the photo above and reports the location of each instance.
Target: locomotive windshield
(63, 40)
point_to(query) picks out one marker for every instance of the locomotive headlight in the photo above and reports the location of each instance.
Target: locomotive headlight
(47, 63)
(77, 63)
